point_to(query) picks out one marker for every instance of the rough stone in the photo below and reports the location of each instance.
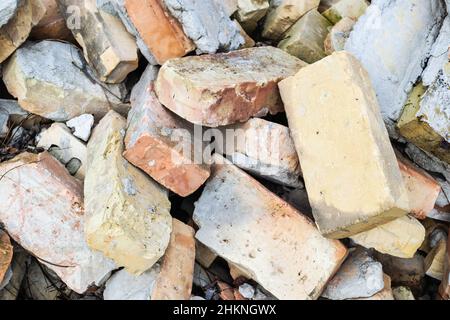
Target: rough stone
(6, 254)
(159, 30)
(68, 147)
(305, 39)
(338, 35)
(54, 232)
(207, 24)
(263, 148)
(204, 255)
(360, 276)
(81, 126)
(353, 181)
(170, 279)
(51, 79)
(401, 237)
(52, 25)
(127, 214)
(444, 289)
(340, 9)
(108, 47)
(393, 40)
(221, 89)
(243, 228)
(153, 140)
(17, 17)
(283, 14)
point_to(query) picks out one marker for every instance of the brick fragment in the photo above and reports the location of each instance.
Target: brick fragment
(244, 228)
(127, 214)
(153, 138)
(221, 89)
(40, 185)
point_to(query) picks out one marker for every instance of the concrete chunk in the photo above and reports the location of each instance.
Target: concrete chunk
(221, 89)
(68, 147)
(401, 237)
(360, 276)
(51, 79)
(54, 232)
(385, 294)
(108, 47)
(170, 279)
(159, 30)
(283, 14)
(81, 126)
(17, 17)
(245, 229)
(339, 9)
(249, 12)
(393, 40)
(305, 39)
(207, 24)
(353, 181)
(263, 148)
(153, 136)
(127, 213)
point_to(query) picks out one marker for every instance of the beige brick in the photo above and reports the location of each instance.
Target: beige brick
(221, 89)
(69, 147)
(283, 15)
(435, 261)
(6, 254)
(108, 47)
(16, 21)
(153, 138)
(339, 9)
(305, 39)
(401, 237)
(338, 35)
(263, 148)
(169, 279)
(249, 12)
(40, 185)
(52, 25)
(127, 214)
(264, 236)
(161, 32)
(353, 179)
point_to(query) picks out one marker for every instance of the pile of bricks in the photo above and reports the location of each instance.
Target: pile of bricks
(225, 149)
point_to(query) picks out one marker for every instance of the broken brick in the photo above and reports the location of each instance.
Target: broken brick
(54, 232)
(153, 135)
(243, 228)
(221, 89)
(127, 214)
